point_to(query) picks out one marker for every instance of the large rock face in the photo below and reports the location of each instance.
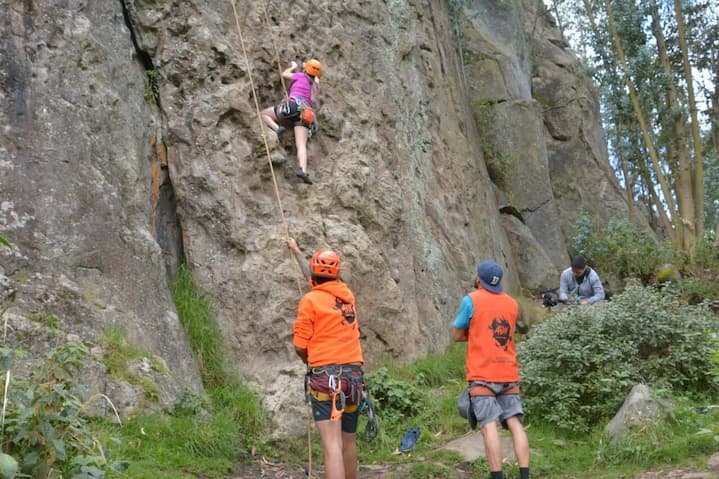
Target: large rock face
(75, 183)
(538, 118)
(400, 189)
(582, 179)
(101, 157)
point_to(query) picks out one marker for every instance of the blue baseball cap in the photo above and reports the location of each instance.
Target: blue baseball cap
(490, 276)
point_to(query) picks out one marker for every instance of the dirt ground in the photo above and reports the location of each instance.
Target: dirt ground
(267, 470)
(263, 469)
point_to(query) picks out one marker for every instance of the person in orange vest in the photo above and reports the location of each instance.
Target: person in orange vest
(486, 320)
(327, 338)
(296, 110)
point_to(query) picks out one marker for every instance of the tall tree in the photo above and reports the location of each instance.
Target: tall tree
(698, 163)
(652, 60)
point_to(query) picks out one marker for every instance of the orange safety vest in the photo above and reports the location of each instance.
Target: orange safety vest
(491, 351)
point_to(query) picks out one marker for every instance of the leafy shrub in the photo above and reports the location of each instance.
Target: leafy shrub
(44, 428)
(580, 363)
(394, 398)
(701, 281)
(706, 256)
(618, 248)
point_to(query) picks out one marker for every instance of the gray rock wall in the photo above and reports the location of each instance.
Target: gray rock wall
(109, 179)
(75, 188)
(400, 189)
(539, 123)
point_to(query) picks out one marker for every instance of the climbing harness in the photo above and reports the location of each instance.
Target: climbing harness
(481, 388)
(340, 384)
(295, 111)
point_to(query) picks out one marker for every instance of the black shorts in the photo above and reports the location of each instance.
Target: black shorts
(322, 410)
(288, 114)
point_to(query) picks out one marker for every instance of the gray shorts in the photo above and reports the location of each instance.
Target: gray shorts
(490, 408)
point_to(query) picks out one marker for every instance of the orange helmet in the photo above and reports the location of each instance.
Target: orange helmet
(313, 67)
(325, 264)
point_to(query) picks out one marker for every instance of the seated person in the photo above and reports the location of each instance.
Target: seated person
(580, 281)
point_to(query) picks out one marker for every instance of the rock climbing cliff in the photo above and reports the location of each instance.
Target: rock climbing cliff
(450, 132)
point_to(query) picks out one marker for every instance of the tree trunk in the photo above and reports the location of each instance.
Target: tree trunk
(639, 114)
(715, 104)
(555, 8)
(677, 151)
(698, 147)
(651, 192)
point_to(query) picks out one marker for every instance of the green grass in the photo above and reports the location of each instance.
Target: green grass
(195, 311)
(212, 435)
(206, 435)
(683, 438)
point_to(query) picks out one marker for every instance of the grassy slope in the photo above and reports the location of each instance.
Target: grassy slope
(189, 444)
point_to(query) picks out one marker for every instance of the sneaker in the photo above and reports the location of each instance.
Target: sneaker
(305, 176)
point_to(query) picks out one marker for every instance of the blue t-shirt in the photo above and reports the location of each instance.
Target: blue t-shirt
(466, 311)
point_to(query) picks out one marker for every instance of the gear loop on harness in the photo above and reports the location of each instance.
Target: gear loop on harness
(340, 384)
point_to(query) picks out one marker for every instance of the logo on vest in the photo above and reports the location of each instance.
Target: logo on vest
(501, 332)
(347, 310)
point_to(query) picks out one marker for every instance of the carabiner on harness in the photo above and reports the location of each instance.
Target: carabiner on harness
(336, 396)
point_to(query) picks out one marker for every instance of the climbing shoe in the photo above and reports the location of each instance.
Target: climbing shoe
(305, 177)
(280, 130)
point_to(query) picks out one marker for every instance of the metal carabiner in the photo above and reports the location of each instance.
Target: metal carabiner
(337, 393)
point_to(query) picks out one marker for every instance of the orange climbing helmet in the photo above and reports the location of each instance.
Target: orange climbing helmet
(325, 264)
(313, 67)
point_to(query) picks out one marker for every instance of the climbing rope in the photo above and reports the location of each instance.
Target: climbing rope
(274, 178)
(264, 135)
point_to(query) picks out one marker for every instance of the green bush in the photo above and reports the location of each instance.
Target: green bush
(43, 426)
(701, 278)
(580, 363)
(394, 398)
(618, 248)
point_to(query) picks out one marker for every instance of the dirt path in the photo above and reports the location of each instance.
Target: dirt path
(263, 469)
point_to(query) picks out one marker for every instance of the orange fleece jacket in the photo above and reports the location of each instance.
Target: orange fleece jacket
(327, 327)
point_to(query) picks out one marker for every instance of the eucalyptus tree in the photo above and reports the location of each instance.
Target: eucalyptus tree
(656, 66)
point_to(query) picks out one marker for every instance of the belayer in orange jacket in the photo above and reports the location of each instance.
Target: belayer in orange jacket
(327, 338)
